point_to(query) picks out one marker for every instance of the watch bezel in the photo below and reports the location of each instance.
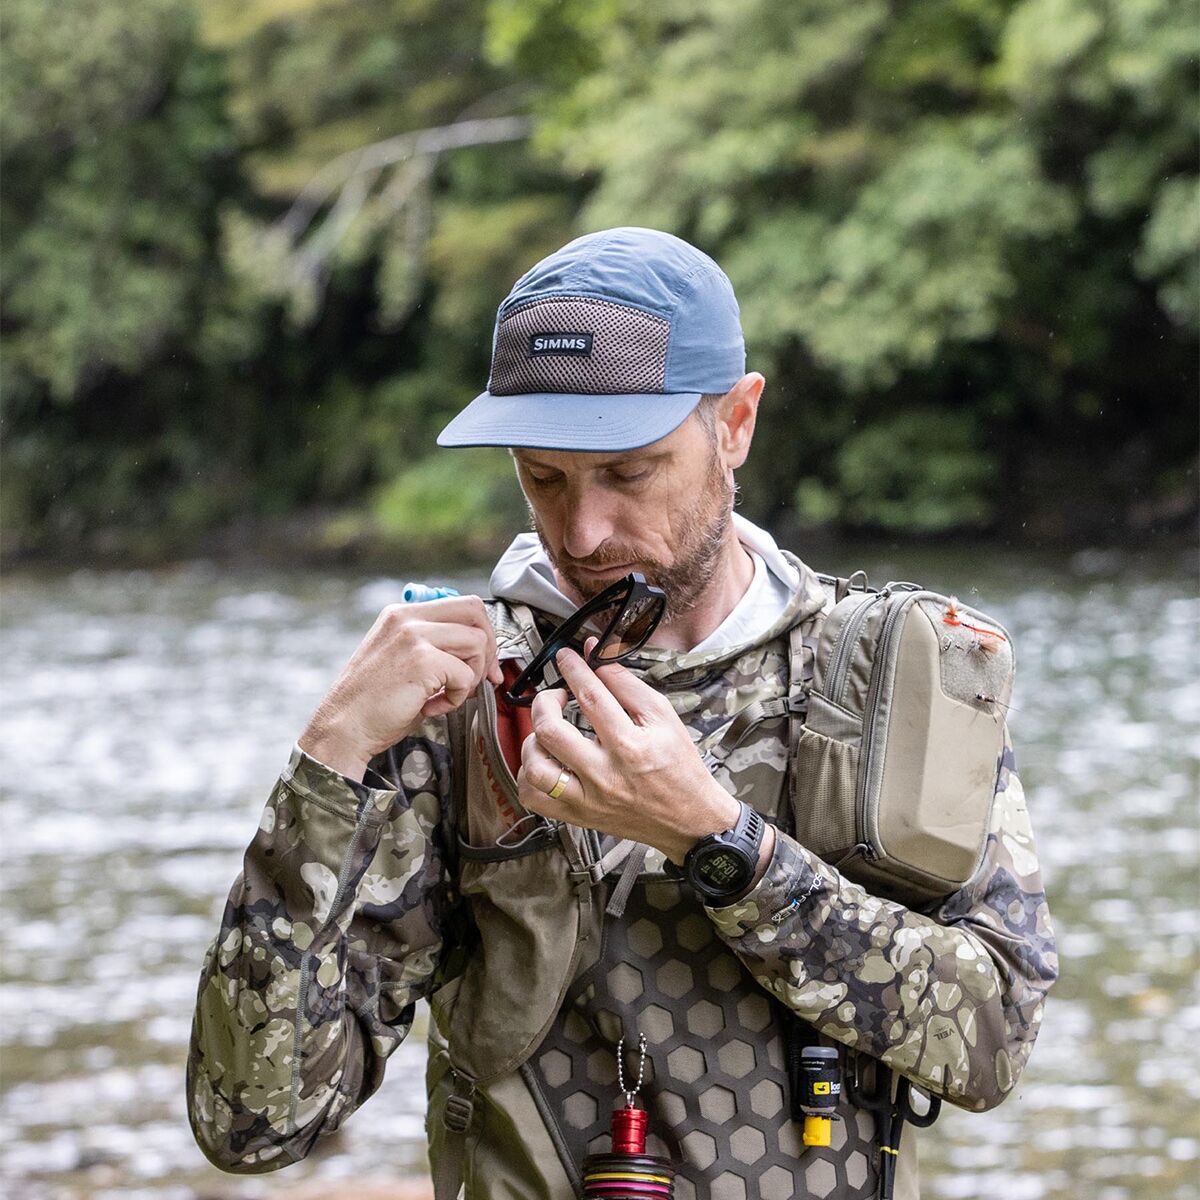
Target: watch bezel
(708, 852)
(744, 840)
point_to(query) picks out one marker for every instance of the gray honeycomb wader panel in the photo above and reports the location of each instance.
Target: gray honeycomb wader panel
(716, 1085)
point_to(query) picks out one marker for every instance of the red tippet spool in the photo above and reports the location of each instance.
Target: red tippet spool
(629, 1130)
(628, 1172)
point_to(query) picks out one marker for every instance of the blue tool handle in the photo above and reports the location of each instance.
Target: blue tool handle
(414, 593)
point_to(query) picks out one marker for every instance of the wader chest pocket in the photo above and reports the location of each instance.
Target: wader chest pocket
(528, 913)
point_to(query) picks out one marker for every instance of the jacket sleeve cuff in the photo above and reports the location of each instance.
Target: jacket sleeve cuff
(372, 798)
(790, 881)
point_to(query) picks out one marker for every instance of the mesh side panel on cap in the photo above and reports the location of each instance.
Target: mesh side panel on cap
(629, 349)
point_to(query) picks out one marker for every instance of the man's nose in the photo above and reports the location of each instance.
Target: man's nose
(588, 524)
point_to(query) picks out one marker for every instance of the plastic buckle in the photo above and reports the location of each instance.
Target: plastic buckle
(457, 1117)
(587, 876)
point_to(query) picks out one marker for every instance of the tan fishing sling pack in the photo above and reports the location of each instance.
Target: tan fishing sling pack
(894, 769)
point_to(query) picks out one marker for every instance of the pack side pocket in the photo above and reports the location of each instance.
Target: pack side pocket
(824, 791)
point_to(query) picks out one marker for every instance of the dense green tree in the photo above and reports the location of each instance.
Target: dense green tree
(116, 157)
(253, 250)
(416, 253)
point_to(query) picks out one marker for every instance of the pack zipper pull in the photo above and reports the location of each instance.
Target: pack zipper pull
(863, 849)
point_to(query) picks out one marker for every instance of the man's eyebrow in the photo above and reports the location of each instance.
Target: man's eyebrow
(526, 461)
(639, 458)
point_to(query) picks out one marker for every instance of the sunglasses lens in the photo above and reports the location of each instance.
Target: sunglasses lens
(636, 625)
(602, 618)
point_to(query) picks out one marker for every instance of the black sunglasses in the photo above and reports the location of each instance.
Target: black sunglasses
(626, 612)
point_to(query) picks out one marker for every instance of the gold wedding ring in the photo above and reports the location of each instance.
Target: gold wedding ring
(564, 777)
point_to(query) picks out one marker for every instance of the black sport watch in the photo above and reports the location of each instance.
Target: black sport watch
(721, 865)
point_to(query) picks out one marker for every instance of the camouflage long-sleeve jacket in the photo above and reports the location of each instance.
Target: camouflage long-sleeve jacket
(340, 922)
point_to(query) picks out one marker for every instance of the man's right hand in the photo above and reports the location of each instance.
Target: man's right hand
(417, 661)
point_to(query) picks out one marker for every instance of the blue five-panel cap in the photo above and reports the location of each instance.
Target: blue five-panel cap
(607, 344)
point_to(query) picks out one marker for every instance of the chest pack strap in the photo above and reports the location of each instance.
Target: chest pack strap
(801, 656)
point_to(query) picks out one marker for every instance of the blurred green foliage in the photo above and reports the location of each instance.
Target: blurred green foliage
(965, 235)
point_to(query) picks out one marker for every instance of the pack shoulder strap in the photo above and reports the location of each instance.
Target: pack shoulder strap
(802, 652)
(801, 656)
(456, 725)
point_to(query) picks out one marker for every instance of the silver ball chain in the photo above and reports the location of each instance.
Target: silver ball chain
(630, 1093)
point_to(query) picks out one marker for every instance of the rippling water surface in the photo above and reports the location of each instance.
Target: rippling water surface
(146, 715)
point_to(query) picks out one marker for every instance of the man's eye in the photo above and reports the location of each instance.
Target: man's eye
(542, 480)
(631, 476)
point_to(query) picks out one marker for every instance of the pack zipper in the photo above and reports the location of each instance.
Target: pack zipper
(867, 768)
(839, 667)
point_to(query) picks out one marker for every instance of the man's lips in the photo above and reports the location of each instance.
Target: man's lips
(620, 568)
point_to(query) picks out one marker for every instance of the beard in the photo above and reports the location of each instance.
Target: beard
(702, 530)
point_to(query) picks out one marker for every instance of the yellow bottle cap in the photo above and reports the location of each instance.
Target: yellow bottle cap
(817, 1131)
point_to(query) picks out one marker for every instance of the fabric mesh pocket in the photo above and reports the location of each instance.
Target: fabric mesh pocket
(824, 786)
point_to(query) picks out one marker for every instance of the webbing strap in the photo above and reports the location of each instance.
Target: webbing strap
(633, 864)
(801, 656)
(456, 726)
(447, 1173)
(589, 873)
(515, 623)
(801, 660)
(570, 842)
(751, 715)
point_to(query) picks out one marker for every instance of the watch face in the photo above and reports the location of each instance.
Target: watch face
(722, 869)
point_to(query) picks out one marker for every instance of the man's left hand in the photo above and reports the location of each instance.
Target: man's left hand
(642, 778)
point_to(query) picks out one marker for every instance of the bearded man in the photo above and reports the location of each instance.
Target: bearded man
(454, 825)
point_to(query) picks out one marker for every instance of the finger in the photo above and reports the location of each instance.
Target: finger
(448, 676)
(536, 800)
(464, 642)
(595, 701)
(553, 731)
(457, 610)
(438, 706)
(542, 769)
(637, 698)
(562, 741)
(548, 705)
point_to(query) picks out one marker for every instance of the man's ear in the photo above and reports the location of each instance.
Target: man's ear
(736, 415)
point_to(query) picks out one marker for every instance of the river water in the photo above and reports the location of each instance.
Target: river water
(146, 715)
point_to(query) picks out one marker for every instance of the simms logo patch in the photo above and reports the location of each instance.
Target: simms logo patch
(560, 343)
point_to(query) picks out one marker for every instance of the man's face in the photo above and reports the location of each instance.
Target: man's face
(662, 510)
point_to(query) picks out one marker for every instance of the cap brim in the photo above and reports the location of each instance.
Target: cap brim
(562, 421)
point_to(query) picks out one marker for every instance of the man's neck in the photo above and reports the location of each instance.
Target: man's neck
(731, 580)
